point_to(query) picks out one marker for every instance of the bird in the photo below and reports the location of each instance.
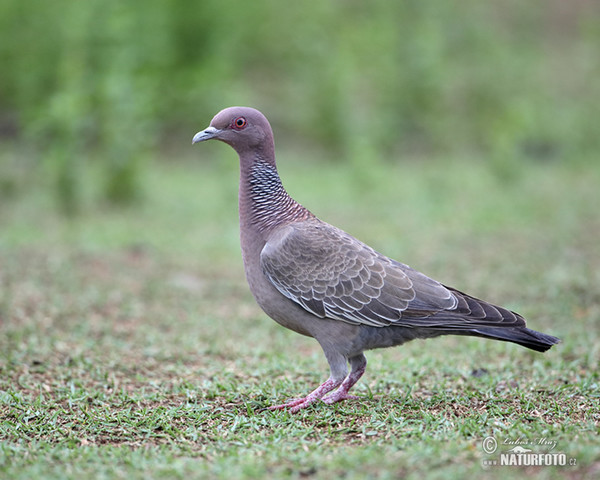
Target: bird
(319, 281)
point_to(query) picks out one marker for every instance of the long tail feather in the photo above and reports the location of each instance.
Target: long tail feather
(537, 341)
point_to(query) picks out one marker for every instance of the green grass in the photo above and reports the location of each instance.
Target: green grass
(130, 346)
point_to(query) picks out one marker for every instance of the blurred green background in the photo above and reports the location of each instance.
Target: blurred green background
(107, 85)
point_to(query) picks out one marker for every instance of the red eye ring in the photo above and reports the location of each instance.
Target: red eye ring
(239, 123)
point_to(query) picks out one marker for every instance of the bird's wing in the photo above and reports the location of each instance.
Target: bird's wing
(333, 275)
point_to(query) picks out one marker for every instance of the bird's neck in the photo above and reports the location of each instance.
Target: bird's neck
(263, 201)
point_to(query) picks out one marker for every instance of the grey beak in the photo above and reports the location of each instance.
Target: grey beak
(210, 132)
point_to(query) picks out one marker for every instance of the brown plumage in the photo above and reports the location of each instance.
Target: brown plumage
(319, 281)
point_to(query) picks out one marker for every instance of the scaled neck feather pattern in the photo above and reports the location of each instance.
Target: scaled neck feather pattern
(265, 203)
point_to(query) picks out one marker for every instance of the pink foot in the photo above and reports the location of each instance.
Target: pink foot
(326, 390)
(338, 396)
(290, 404)
(294, 405)
(300, 403)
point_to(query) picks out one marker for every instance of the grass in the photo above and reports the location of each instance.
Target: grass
(130, 346)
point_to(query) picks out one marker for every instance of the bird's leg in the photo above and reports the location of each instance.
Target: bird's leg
(339, 369)
(358, 365)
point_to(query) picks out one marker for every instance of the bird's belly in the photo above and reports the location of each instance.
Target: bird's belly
(335, 333)
(281, 309)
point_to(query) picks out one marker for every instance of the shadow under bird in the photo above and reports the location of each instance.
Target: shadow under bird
(319, 281)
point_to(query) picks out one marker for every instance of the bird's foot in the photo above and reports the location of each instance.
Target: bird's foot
(292, 403)
(338, 396)
(300, 403)
(295, 405)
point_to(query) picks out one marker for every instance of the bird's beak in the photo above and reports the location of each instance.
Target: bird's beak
(210, 132)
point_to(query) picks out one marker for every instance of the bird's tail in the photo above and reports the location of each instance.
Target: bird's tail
(525, 337)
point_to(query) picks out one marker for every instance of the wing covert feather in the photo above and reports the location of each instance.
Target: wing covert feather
(333, 275)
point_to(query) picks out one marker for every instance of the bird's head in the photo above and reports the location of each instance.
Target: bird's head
(244, 128)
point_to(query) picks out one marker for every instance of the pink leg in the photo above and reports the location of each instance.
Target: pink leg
(300, 403)
(359, 365)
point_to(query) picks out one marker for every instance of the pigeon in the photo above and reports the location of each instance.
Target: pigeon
(319, 281)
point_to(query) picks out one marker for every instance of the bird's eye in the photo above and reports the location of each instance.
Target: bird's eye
(239, 123)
